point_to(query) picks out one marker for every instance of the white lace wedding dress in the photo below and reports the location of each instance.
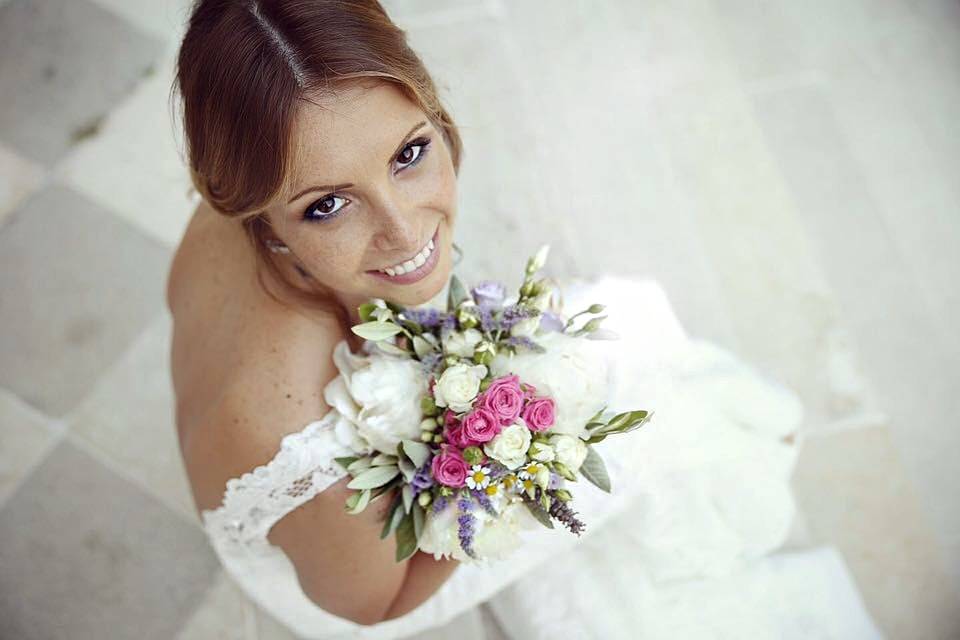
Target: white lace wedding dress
(682, 548)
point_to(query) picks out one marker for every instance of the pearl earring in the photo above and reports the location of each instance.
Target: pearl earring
(277, 247)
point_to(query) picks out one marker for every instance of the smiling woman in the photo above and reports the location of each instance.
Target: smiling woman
(328, 172)
(336, 150)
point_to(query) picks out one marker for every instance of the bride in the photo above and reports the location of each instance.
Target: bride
(328, 173)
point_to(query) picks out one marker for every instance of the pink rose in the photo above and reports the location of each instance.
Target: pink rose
(481, 426)
(453, 430)
(539, 414)
(504, 399)
(529, 391)
(449, 467)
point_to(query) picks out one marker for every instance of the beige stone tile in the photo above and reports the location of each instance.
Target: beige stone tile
(18, 178)
(25, 437)
(853, 490)
(134, 167)
(225, 613)
(129, 417)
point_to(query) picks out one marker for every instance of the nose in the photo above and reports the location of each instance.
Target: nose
(397, 225)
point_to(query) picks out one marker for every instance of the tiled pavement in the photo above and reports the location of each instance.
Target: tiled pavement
(784, 169)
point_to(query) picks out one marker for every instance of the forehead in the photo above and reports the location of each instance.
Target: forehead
(336, 133)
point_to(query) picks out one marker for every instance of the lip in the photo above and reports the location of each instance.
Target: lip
(420, 272)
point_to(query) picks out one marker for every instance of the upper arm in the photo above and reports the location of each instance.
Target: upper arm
(341, 562)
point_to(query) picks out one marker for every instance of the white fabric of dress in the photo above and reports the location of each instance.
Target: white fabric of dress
(683, 547)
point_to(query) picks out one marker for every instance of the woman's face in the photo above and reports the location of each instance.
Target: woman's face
(373, 188)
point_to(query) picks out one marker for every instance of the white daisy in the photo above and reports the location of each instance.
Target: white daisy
(479, 477)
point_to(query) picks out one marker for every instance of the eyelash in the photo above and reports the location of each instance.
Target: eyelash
(423, 142)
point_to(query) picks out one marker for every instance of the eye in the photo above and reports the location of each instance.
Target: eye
(409, 157)
(325, 207)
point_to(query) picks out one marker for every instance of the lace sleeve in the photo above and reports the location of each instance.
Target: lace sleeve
(303, 467)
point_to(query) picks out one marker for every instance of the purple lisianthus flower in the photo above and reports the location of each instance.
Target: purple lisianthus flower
(550, 321)
(422, 479)
(489, 293)
(554, 481)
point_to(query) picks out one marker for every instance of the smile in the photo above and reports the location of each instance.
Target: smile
(414, 268)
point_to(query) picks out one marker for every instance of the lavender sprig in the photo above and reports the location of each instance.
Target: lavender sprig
(561, 511)
(467, 523)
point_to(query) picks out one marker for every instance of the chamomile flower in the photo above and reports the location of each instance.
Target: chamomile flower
(479, 477)
(494, 490)
(530, 471)
(509, 481)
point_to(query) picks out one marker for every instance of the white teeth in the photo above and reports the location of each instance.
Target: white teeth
(409, 265)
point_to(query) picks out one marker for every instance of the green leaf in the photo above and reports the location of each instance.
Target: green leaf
(374, 477)
(421, 346)
(418, 516)
(376, 331)
(392, 349)
(406, 538)
(358, 502)
(359, 465)
(594, 470)
(406, 468)
(407, 493)
(418, 452)
(456, 294)
(394, 515)
(365, 311)
(383, 458)
(542, 516)
(624, 422)
(346, 461)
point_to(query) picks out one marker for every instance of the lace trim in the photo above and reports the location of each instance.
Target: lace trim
(302, 467)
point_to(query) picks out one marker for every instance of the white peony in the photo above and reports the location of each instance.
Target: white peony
(498, 537)
(378, 396)
(462, 343)
(571, 450)
(573, 371)
(440, 534)
(458, 386)
(510, 445)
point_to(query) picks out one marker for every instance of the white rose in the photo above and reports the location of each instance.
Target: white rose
(458, 386)
(462, 343)
(541, 452)
(378, 396)
(573, 371)
(510, 445)
(525, 327)
(570, 450)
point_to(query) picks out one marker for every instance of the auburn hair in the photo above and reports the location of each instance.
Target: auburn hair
(242, 67)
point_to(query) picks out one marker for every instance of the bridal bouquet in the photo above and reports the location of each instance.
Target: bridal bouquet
(470, 415)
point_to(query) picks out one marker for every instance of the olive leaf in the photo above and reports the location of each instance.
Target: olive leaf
(346, 461)
(407, 493)
(456, 294)
(358, 502)
(594, 470)
(365, 311)
(392, 349)
(418, 452)
(374, 477)
(376, 331)
(418, 517)
(359, 465)
(406, 538)
(537, 512)
(394, 515)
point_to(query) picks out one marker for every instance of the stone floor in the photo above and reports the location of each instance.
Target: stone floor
(782, 168)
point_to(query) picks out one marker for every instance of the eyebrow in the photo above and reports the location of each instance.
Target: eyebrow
(335, 187)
